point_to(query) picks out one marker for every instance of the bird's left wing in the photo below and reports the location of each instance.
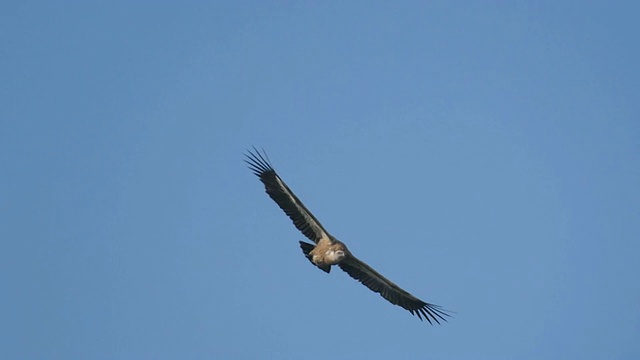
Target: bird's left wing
(370, 278)
(302, 218)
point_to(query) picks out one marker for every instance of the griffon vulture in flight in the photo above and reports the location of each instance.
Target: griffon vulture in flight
(328, 250)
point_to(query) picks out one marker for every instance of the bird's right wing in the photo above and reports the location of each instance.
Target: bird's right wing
(285, 198)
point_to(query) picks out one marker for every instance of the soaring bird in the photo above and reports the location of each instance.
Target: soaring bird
(328, 250)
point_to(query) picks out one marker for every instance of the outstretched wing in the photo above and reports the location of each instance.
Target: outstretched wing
(390, 291)
(285, 198)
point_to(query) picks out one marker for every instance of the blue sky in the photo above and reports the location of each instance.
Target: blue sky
(484, 156)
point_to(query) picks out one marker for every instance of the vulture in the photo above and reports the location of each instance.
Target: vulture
(327, 251)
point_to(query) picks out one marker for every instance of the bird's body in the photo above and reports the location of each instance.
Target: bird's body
(328, 251)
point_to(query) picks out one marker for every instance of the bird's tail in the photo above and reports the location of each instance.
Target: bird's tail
(306, 249)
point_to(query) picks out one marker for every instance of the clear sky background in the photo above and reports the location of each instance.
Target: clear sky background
(485, 156)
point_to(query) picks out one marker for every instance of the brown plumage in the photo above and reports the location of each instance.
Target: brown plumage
(328, 250)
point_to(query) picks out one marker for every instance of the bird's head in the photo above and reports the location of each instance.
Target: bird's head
(335, 256)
